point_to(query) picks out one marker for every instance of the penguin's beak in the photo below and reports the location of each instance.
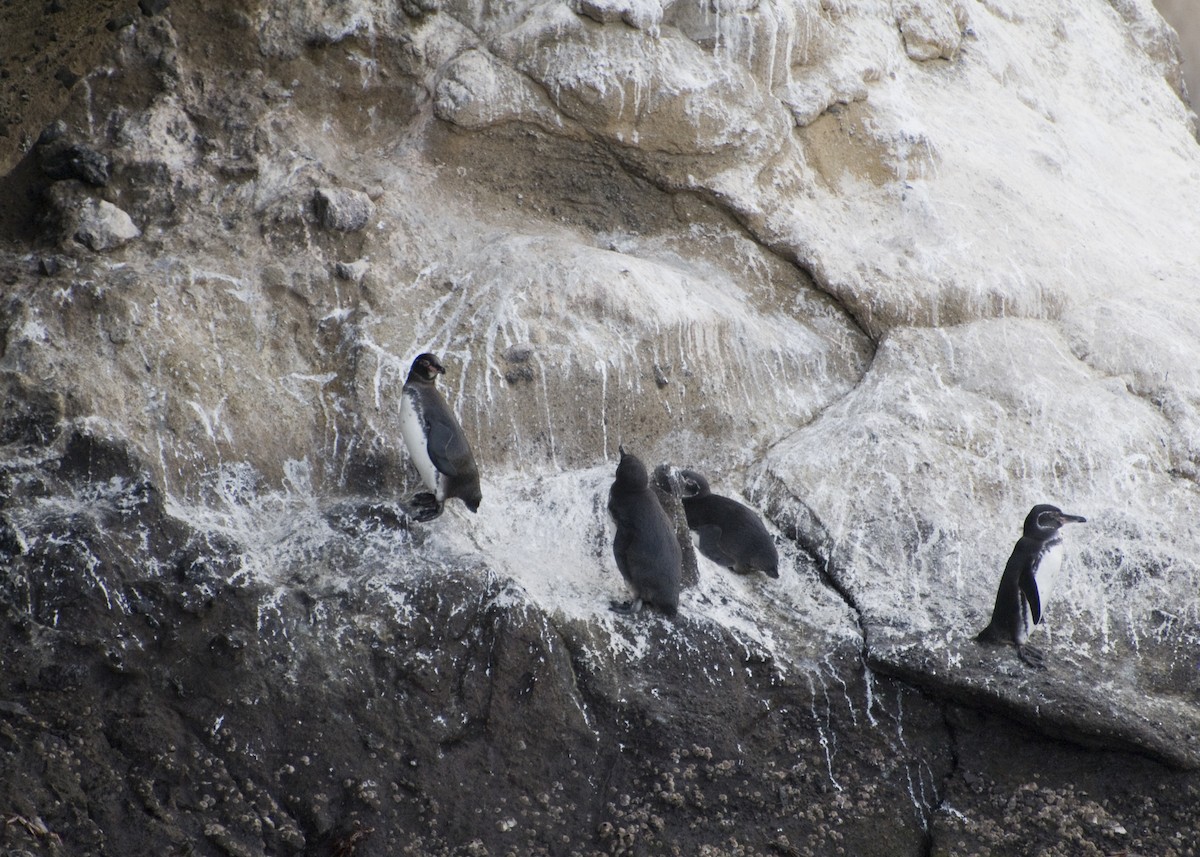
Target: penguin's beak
(1064, 518)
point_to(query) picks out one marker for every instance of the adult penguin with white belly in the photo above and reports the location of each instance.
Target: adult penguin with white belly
(436, 443)
(1028, 578)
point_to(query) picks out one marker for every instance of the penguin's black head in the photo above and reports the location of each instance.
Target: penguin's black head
(425, 368)
(631, 473)
(693, 484)
(1044, 520)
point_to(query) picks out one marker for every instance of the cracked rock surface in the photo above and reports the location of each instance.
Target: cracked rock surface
(890, 273)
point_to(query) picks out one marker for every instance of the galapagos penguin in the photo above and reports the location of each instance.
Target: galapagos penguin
(436, 443)
(645, 548)
(1027, 580)
(731, 535)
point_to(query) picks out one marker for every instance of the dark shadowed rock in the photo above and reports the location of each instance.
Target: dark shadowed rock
(411, 707)
(76, 161)
(62, 157)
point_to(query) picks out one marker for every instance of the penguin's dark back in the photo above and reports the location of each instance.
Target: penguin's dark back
(722, 511)
(644, 546)
(636, 509)
(628, 506)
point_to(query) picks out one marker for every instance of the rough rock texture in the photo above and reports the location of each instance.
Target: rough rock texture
(341, 209)
(1180, 15)
(895, 270)
(96, 224)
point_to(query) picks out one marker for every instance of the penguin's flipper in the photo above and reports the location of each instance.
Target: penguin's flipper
(1029, 589)
(423, 507)
(1032, 656)
(621, 543)
(448, 447)
(710, 545)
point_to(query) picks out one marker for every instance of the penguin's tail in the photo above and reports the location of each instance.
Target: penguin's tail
(990, 635)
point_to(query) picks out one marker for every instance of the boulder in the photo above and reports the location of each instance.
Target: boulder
(342, 210)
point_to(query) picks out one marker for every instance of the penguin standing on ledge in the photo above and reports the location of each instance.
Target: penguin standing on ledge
(645, 548)
(1028, 578)
(730, 534)
(436, 443)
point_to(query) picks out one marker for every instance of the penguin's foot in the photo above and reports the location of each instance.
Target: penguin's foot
(1032, 656)
(626, 608)
(423, 507)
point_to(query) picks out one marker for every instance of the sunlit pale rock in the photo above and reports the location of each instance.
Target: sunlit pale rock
(95, 223)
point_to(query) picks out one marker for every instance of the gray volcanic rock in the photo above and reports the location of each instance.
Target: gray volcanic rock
(892, 272)
(381, 697)
(342, 209)
(78, 216)
(60, 157)
(377, 699)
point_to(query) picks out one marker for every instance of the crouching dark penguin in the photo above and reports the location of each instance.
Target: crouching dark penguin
(730, 533)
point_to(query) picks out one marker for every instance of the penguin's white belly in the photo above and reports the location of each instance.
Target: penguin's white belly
(412, 429)
(1048, 574)
(1046, 577)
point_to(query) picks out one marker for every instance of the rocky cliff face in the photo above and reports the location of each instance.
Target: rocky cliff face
(890, 272)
